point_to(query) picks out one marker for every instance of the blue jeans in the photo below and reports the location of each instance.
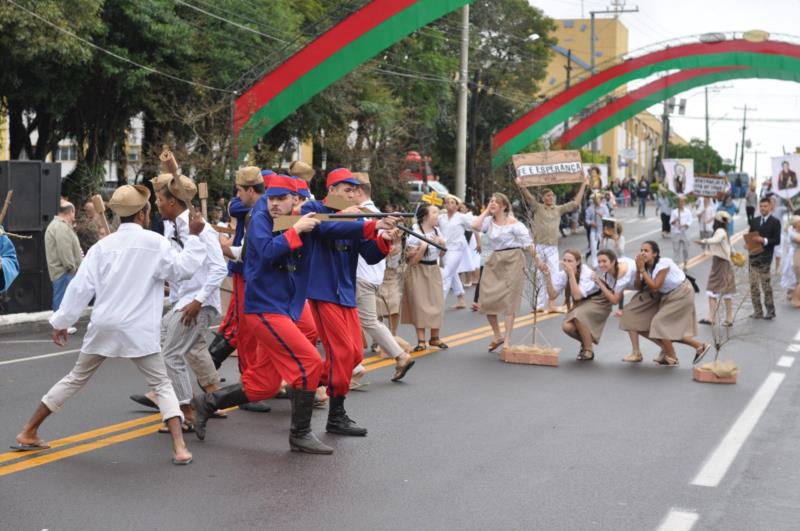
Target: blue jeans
(59, 288)
(642, 205)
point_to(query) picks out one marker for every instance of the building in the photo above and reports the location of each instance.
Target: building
(631, 148)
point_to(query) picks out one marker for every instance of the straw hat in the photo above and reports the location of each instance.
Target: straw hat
(249, 176)
(161, 181)
(182, 188)
(129, 199)
(298, 168)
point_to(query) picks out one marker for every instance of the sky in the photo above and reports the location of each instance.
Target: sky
(659, 20)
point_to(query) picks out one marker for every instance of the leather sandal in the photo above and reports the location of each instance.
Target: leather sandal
(496, 343)
(666, 361)
(583, 356)
(420, 347)
(633, 357)
(436, 342)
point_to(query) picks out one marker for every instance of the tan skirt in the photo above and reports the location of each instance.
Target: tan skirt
(721, 279)
(676, 317)
(592, 313)
(502, 283)
(638, 313)
(796, 264)
(389, 293)
(423, 296)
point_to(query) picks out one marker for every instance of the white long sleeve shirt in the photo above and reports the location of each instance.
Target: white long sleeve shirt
(364, 271)
(453, 229)
(204, 285)
(125, 273)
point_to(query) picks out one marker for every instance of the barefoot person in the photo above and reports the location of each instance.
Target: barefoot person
(423, 298)
(546, 220)
(585, 306)
(504, 271)
(452, 224)
(127, 309)
(675, 319)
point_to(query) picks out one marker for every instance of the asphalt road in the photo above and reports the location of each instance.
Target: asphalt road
(465, 442)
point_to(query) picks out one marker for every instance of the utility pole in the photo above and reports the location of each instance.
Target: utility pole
(707, 135)
(461, 134)
(735, 156)
(619, 8)
(744, 129)
(568, 68)
(664, 131)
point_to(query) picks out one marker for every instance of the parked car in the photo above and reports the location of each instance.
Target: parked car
(416, 189)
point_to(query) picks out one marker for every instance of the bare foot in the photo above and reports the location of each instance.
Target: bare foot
(181, 456)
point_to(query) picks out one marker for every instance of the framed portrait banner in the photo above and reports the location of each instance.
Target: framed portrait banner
(679, 175)
(784, 175)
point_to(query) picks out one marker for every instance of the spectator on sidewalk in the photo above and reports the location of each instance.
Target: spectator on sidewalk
(664, 207)
(9, 265)
(643, 191)
(680, 221)
(63, 251)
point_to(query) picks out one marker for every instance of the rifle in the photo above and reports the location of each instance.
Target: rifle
(285, 222)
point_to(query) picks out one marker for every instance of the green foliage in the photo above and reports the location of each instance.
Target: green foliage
(706, 158)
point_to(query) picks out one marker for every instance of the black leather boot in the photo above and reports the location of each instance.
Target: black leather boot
(205, 405)
(301, 438)
(261, 406)
(220, 350)
(339, 422)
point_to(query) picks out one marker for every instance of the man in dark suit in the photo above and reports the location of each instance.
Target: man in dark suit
(769, 236)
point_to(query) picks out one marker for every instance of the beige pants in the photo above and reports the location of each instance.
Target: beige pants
(151, 366)
(366, 297)
(200, 362)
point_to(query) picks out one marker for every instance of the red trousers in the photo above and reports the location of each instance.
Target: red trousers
(229, 327)
(340, 332)
(234, 328)
(285, 351)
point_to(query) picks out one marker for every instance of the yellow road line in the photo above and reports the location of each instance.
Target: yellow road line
(374, 362)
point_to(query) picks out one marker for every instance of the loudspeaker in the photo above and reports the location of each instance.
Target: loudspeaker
(30, 292)
(37, 189)
(30, 253)
(51, 190)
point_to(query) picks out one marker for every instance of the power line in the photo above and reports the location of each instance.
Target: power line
(231, 22)
(115, 55)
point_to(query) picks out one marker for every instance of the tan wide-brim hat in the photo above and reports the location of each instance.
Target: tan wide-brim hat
(454, 197)
(161, 181)
(129, 199)
(722, 216)
(182, 188)
(249, 176)
(298, 168)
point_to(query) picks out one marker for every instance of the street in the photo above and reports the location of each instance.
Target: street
(465, 441)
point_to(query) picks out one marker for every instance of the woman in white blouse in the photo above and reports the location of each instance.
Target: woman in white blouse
(452, 225)
(614, 275)
(581, 295)
(721, 280)
(676, 318)
(423, 297)
(504, 272)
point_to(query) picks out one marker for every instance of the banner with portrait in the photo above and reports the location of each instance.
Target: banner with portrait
(679, 175)
(784, 175)
(597, 175)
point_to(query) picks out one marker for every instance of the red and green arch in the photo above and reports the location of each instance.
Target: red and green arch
(356, 39)
(628, 106)
(709, 61)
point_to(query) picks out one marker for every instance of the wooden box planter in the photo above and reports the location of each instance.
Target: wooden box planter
(531, 355)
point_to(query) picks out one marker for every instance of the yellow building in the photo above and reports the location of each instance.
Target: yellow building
(640, 136)
(4, 136)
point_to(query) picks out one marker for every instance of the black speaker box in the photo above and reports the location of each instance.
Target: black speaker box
(30, 253)
(51, 190)
(37, 193)
(30, 292)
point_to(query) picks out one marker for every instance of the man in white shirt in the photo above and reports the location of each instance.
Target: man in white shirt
(680, 220)
(368, 280)
(195, 301)
(127, 310)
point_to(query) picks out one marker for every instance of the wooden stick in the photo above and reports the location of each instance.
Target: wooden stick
(202, 193)
(100, 207)
(168, 161)
(18, 236)
(224, 230)
(6, 204)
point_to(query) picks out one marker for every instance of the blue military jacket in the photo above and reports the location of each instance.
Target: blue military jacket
(334, 262)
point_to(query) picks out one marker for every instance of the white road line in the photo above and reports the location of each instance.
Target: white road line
(678, 520)
(786, 361)
(24, 341)
(645, 235)
(718, 463)
(794, 347)
(51, 355)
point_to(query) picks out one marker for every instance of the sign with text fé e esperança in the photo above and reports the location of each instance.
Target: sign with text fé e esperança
(547, 168)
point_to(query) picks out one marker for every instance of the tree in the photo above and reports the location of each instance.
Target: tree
(706, 159)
